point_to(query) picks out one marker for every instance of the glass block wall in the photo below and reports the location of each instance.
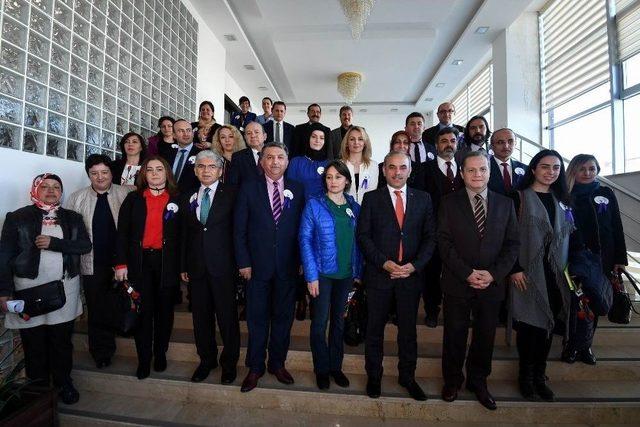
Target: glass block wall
(75, 75)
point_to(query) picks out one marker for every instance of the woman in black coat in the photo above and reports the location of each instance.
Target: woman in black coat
(598, 223)
(147, 254)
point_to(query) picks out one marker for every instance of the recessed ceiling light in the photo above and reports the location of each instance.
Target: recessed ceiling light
(394, 110)
(262, 87)
(363, 110)
(249, 67)
(230, 37)
(333, 110)
(482, 30)
(440, 84)
(428, 99)
(457, 62)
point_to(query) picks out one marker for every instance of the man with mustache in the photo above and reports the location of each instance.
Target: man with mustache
(476, 137)
(445, 114)
(441, 177)
(302, 132)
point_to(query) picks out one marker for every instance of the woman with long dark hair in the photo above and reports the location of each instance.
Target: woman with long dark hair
(147, 254)
(205, 127)
(599, 226)
(125, 170)
(541, 297)
(163, 138)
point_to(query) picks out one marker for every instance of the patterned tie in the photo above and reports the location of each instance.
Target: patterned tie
(276, 203)
(449, 172)
(480, 215)
(506, 177)
(178, 171)
(277, 138)
(205, 206)
(399, 217)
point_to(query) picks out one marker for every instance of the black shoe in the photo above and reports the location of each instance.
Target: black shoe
(414, 390)
(69, 394)
(431, 318)
(568, 355)
(322, 380)
(526, 389)
(103, 363)
(587, 356)
(143, 371)
(160, 362)
(340, 379)
(201, 373)
(228, 377)
(484, 397)
(543, 390)
(373, 388)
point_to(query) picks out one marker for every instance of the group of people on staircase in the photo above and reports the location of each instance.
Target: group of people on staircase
(449, 216)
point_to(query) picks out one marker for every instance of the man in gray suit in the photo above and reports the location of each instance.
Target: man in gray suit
(478, 243)
(346, 118)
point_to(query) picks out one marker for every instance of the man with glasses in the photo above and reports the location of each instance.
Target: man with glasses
(445, 113)
(208, 265)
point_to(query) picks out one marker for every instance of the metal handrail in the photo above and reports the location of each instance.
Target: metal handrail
(602, 179)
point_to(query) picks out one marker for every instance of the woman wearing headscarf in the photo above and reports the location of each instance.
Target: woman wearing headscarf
(41, 244)
(599, 225)
(308, 169)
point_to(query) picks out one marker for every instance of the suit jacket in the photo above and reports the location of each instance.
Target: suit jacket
(379, 234)
(188, 180)
(336, 142)
(462, 250)
(301, 139)
(243, 167)
(270, 249)
(287, 133)
(208, 248)
(463, 149)
(241, 122)
(495, 180)
(434, 184)
(415, 180)
(431, 134)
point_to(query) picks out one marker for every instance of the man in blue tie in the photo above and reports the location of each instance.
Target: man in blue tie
(208, 264)
(266, 220)
(182, 155)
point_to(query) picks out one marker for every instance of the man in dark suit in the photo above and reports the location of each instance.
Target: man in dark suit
(475, 138)
(302, 132)
(208, 264)
(246, 163)
(346, 119)
(420, 151)
(396, 233)
(441, 177)
(445, 114)
(278, 130)
(506, 173)
(267, 216)
(478, 242)
(182, 156)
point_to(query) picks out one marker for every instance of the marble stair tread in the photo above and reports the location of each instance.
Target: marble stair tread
(581, 390)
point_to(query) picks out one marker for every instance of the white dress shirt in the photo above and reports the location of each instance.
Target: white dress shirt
(394, 198)
(421, 148)
(213, 188)
(501, 169)
(256, 155)
(442, 164)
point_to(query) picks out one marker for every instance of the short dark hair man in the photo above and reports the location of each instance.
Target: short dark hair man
(420, 150)
(302, 132)
(181, 156)
(397, 244)
(246, 162)
(478, 242)
(506, 173)
(337, 135)
(278, 130)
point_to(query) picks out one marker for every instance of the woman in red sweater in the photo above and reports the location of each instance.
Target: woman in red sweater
(147, 255)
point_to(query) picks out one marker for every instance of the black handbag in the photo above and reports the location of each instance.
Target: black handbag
(42, 299)
(124, 305)
(355, 322)
(621, 308)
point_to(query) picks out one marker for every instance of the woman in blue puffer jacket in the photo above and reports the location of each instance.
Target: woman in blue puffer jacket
(331, 262)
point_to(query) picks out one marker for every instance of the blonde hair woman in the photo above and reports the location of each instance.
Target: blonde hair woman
(356, 154)
(226, 141)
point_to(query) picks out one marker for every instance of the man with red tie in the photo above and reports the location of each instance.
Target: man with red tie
(506, 172)
(396, 234)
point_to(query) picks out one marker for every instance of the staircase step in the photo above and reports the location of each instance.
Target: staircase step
(618, 401)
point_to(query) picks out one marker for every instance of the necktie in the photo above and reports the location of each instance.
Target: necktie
(416, 153)
(506, 177)
(178, 171)
(205, 206)
(449, 172)
(480, 215)
(277, 138)
(399, 217)
(276, 203)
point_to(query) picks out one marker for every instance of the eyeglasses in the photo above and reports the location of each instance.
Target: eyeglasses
(446, 111)
(209, 167)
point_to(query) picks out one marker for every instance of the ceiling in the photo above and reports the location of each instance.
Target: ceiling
(298, 47)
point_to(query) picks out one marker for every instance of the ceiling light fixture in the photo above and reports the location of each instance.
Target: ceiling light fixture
(349, 85)
(393, 110)
(428, 99)
(363, 110)
(262, 87)
(249, 67)
(440, 84)
(230, 37)
(457, 62)
(482, 30)
(357, 13)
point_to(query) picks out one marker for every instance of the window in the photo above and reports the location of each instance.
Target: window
(476, 98)
(632, 133)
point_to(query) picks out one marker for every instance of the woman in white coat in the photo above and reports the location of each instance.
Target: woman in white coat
(356, 154)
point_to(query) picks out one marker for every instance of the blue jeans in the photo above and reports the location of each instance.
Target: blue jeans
(327, 357)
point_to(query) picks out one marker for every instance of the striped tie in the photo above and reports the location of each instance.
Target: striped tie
(480, 215)
(276, 203)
